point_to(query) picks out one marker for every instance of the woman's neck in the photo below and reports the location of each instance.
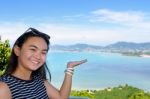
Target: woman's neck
(22, 73)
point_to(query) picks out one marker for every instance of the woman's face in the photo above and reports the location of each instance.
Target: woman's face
(33, 53)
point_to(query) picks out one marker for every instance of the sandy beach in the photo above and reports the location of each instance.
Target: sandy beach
(145, 56)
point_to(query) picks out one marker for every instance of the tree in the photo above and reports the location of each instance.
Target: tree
(5, 51)
(139, 95)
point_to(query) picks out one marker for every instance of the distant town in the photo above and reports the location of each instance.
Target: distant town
(125, 48)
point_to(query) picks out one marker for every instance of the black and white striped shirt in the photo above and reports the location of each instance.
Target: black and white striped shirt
(25, 89)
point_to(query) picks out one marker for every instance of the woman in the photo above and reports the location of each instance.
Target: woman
(25, 76)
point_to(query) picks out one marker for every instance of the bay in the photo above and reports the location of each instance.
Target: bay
(101, 71)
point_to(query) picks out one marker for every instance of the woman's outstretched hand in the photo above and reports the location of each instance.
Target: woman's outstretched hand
(73, 64)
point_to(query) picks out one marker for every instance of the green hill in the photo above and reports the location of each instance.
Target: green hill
(120, 92)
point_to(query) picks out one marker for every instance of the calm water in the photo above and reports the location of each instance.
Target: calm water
(102, 70)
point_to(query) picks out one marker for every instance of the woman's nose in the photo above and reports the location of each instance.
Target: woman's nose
(37, 55)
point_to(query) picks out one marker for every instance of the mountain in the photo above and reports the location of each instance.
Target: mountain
(129, 46)
(76, 47)
(116, 47)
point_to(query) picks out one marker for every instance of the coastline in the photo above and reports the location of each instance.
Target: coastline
(108, 88)
(80, 89)
(145, 56)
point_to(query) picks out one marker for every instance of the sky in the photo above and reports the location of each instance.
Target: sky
(96, 22)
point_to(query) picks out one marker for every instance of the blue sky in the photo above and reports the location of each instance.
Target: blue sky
(98, 22)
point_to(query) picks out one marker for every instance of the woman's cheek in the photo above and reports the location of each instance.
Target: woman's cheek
(43, 58)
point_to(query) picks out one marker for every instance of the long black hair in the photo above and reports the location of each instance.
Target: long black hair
(13, 60)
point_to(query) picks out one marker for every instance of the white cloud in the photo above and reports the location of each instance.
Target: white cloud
(11, 31)
(133, 27)
(108, 15)
(126, 18)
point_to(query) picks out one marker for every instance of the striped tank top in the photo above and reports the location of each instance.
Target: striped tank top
(25, 89)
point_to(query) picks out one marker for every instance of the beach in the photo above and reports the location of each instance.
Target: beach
(145, 56)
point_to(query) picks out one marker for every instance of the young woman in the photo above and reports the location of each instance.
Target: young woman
(25, 76)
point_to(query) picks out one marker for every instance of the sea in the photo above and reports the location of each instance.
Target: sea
(102, 70)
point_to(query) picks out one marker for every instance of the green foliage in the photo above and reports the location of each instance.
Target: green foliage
(83, 93)
(5, 51)
(120, 92)
(140, 95)
(148, 53)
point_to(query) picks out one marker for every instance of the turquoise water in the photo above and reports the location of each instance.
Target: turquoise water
(102, 70)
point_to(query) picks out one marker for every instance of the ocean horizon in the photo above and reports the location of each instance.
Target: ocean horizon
(102, 70)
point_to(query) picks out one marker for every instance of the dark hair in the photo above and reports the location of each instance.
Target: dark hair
(13, 60)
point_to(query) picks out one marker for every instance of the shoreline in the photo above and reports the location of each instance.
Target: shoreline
(79, 89)
(108, 88)
(145, 56)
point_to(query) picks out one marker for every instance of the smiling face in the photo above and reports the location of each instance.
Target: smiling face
(32, 55)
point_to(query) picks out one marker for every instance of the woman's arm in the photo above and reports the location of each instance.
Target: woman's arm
(65, 89)
(4, 91)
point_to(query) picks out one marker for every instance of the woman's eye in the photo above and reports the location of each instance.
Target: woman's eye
(32, 49)
(44, 53)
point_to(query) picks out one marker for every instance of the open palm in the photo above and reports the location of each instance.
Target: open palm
(73, 64)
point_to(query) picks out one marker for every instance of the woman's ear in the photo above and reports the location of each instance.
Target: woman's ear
(17, 50)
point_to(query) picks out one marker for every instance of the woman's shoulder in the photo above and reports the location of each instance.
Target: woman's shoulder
(4, 91)
(3, 86)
